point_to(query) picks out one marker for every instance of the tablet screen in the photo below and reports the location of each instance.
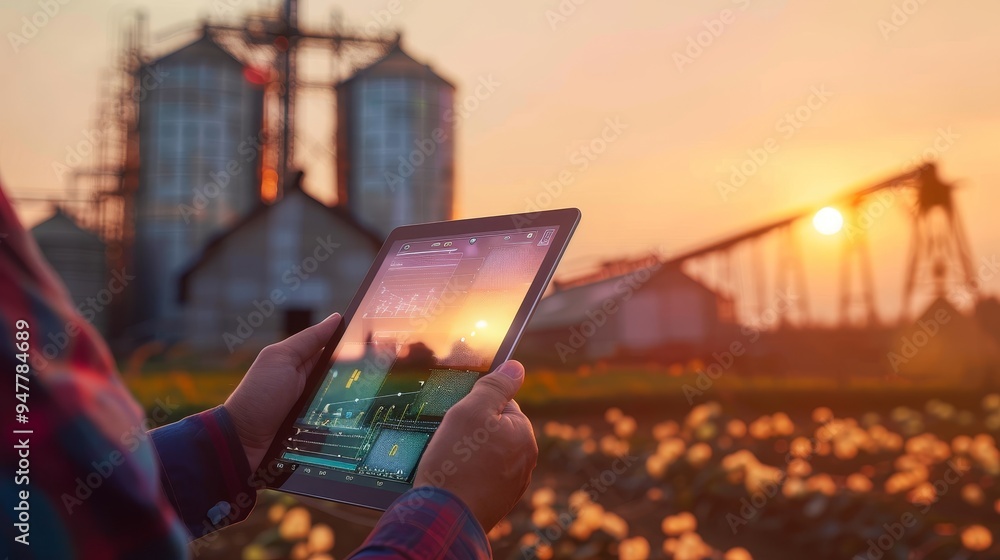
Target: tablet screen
(431, 323)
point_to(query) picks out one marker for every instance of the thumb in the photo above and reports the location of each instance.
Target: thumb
(494, 390)
(305, 344)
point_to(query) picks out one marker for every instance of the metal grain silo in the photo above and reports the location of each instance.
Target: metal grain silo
(395, 143)
(78, 256)
(200, 123)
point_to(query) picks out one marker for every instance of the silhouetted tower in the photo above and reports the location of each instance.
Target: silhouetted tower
(939, 253)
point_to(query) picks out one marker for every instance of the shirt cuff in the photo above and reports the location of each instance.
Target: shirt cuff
(205, 471)
(427, 522)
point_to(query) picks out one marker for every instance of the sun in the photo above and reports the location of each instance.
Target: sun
(828, 221)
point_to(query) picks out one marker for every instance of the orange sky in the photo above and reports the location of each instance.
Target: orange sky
(656, 185)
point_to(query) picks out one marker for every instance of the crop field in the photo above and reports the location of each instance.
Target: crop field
(635, 465)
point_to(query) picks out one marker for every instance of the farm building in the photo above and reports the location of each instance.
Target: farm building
(643, 310)
(78, 257)
(282, 268)
(945, 343)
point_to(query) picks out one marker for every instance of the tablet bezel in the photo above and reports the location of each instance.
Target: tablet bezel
(340, 486)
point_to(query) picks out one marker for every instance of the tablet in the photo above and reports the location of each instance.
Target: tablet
(443, 304)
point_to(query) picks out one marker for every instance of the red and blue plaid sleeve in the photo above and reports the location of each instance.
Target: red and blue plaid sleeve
(424, 523)
(205, 471)
(89, 485)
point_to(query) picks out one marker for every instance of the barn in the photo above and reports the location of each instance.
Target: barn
(280, 269)
(639, 309)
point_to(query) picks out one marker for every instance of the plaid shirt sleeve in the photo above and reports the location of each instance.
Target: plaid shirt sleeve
(90, 473)
(205, 471)
(424, 523)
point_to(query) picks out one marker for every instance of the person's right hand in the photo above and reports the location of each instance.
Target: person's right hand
(484, 450)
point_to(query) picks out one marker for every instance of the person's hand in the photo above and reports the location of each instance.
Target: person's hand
(484, 450)
(272, 385)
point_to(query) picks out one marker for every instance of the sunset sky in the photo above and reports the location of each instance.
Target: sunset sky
(882, 94)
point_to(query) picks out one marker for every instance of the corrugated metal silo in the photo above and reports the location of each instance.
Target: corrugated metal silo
(395, 143)
(200, 123)
(78, 257)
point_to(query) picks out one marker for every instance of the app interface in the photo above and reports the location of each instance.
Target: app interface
(429, 326)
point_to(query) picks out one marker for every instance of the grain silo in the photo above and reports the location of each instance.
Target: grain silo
(78, 257)
(200, 122)
(395, 143)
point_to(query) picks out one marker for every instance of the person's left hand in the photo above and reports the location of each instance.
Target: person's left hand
(272, 385)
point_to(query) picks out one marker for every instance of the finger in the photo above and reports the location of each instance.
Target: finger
(493, 391)
(304, 345)
(307, 366)
(512, 408)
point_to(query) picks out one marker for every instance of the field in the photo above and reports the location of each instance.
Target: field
(639, 464)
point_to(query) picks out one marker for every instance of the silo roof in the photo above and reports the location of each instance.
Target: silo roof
(60, 224)
(397, 63)
(198, 48)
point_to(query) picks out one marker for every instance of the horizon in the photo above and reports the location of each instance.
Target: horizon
(755, 67)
